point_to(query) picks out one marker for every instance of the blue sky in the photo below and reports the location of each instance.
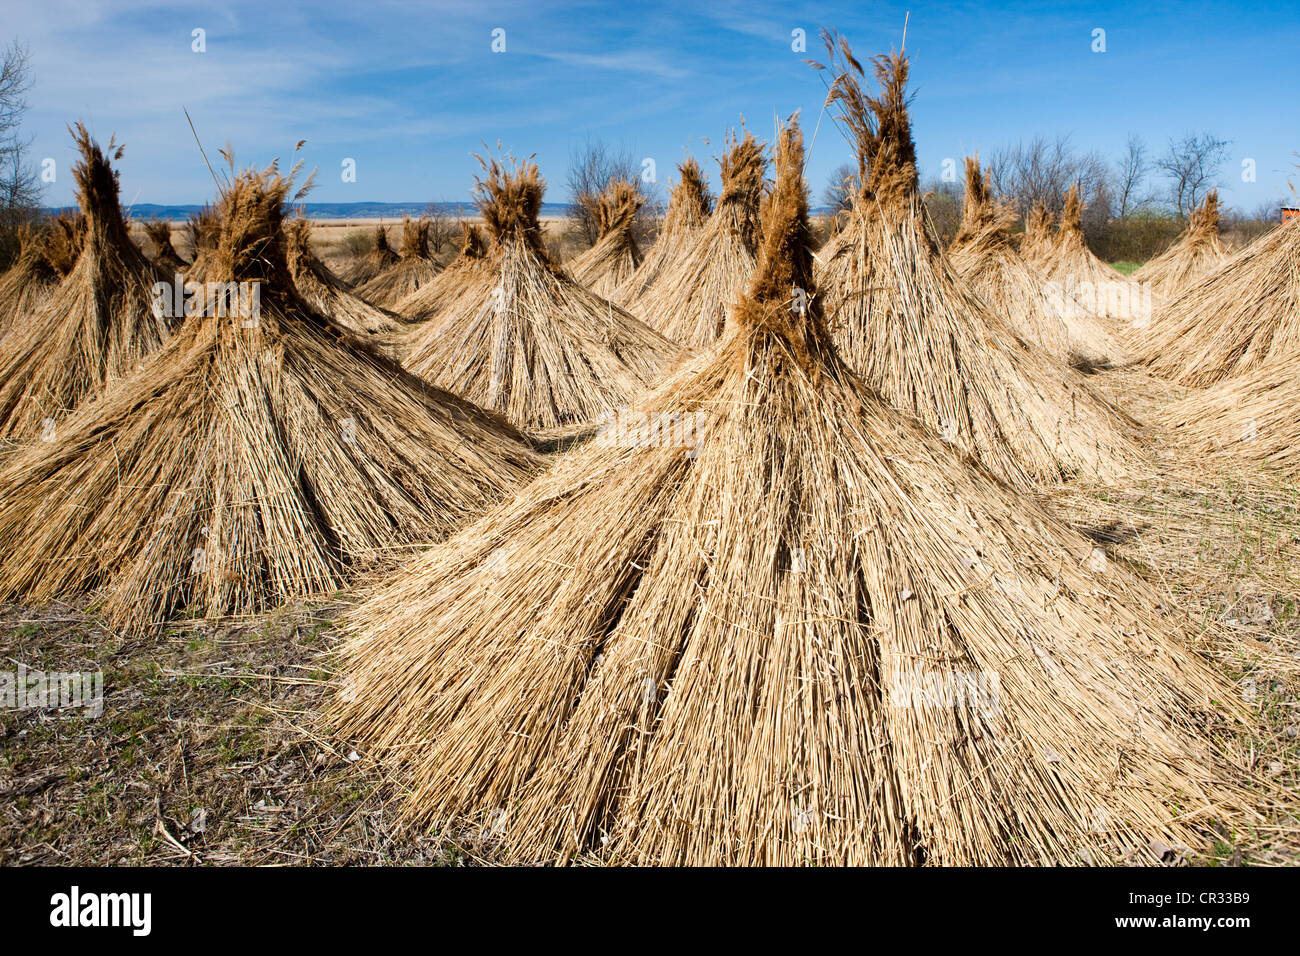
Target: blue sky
(410, 89)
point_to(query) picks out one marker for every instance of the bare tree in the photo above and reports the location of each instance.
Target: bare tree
(1131, 173)
(1041, 170)
(19, 185)
(943, 203)
(1192, 166)
(591, 167)
(841, 185)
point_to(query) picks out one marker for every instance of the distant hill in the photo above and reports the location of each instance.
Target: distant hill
(339, 210)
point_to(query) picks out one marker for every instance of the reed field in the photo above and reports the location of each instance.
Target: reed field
(737, 531)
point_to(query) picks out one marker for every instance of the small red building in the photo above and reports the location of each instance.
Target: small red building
(1290, 212)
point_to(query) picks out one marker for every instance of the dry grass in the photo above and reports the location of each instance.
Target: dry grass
(610, 263)
(914, 331)
(98, 324)
(1241, 317)
(1197, 253)
(983, 254)
(414, 270)
(522, 338)
(689, 298)
(658, 657)
(248, 462)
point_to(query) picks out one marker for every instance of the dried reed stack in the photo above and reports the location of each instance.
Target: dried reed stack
(429, 299)
(689, 208)
(915, 332)
(615, 257)
(30, 280)
(690, 298)
(414, 270)
(523, 338)
(204, 230)
(63, 241)
(326, 293)
(98, 324)
(380, 257)
(1072, 266)
(723, 654)
(983, 254)
(252, 460)
(1245, 315)
(1250, 416)
(1197, 253)
(1039, 237)
(165, 256)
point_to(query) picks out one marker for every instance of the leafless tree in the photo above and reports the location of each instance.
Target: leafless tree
(840, 187)
(1041, 170)
(591, 167)
(1131, 174)
(19, 185)
(1192, 166)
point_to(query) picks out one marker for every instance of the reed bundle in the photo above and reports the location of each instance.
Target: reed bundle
(983, 254)
(380, 257)
(725, 653)
(99, 323)
(165, 256)
(254, 459)
(413, 270)
(1241, 317)
(427, 301)
(689, 208)
(910, 326)
(689, 299)
(523, 338)
(615, 257)
(326, 293)
(1197, 253)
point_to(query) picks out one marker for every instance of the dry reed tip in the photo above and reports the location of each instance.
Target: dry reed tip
(510, 200)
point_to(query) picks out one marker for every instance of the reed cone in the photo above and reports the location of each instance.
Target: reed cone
(689, 208)
(708, 655)
(615, 257)
(1249, 417)
(1197, 253)
(689, 299)
(204, 230)
(98, 324)
(430, 299)
(30, 280)
(380, 257)
(1039, 237)
(912, 328)
(983, 254)
(414, 270)
(249, 462)
(1073, 267)
(1234, 320)
(165, 256)
(326, 293)
(523, 338)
